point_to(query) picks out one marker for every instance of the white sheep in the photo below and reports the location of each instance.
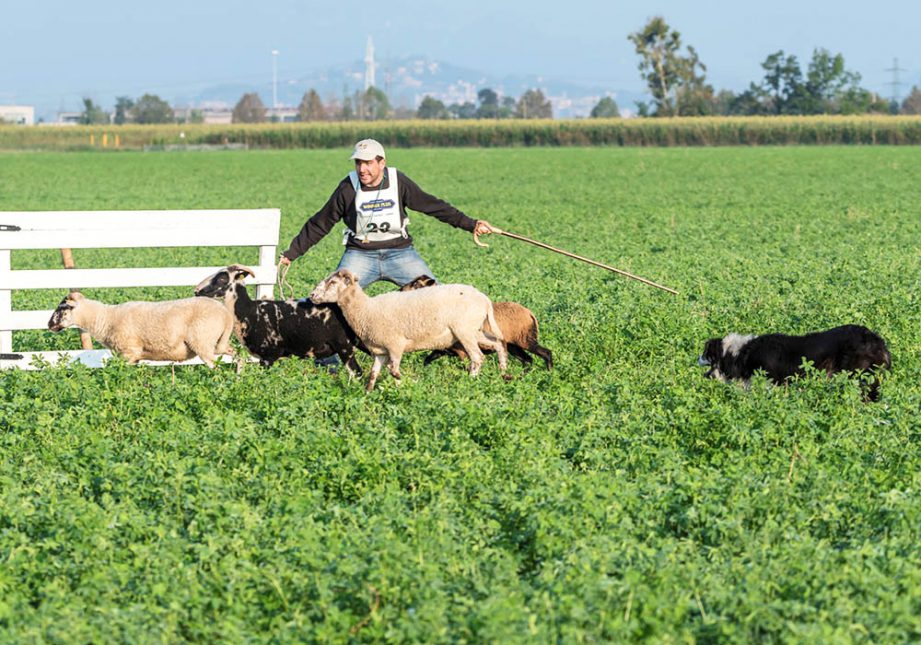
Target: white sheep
(405, 321)
(172, 330)
(516, 322)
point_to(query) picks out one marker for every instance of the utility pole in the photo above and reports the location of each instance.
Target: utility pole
(275, 78)
(895, 83)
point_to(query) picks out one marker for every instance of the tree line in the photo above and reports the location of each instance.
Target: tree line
(674, 75)
(676, 80)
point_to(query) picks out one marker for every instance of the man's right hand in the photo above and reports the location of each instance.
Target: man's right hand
(283, 260)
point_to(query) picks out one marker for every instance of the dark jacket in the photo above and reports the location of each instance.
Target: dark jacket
(341, 206)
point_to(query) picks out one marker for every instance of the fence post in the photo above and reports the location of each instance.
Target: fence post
(67, 256)
(266, 257)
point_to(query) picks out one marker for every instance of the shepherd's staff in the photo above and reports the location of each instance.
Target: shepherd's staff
(476, 239)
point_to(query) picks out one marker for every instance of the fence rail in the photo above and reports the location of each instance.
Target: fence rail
(123, 229)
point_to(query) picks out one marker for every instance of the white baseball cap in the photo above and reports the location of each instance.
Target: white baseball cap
(368, 149)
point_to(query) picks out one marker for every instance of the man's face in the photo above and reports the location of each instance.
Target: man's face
(371, 172)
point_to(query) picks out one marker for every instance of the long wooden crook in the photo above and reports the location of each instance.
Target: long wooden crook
(476, 239)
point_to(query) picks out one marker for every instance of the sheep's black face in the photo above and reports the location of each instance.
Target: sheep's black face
(214, 286)
(419, 283)
(713, 354)
(63, 315)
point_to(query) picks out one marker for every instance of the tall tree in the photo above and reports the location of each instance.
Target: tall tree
(463, 110)
(432, 108)
(827, 81)
(832, 88)
(534, 105)
(375, 104)
(693, 96)
(488, 107)
(123, 105)
(606, 108)
(249, 109)
(311, 107)
(664, 68)
(150, 108)
(912, 102)
(348, 109)
(782, 89)
(93, 114)
(827, 87)
(507, 107)
(722, 102)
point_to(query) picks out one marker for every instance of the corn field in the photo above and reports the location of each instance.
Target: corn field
(687, 131)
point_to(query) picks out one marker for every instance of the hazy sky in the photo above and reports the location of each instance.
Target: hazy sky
(53, 52)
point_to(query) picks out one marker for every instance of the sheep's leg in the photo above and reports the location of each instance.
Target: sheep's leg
(472, 347)
(132, 354)
(434, 355)
(208, 360)
(223, 343)
(520, 354)
(347, 356)
(395, 358)
(379, 361)
(194, 347)
(491, 342)
(205, 353)
(544, 353)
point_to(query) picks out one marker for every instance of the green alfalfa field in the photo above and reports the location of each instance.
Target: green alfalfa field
(621, 497)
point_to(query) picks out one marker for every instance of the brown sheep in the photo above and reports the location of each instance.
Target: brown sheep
(516, 322)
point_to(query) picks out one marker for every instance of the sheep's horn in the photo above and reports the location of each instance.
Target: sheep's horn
(244, 269)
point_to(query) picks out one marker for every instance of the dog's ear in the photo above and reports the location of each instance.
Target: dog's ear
(713, 350)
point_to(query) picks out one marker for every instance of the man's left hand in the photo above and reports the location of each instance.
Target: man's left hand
(484, 228)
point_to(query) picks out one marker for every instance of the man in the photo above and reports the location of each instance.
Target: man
(371, 202)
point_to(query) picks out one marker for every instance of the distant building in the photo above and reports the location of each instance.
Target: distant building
(217, 116)
(18, 114)
(69, 118)
(281, 114)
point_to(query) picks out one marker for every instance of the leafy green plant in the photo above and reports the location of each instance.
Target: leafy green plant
(621, 497)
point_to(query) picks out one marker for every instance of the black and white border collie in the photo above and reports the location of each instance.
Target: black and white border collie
(849, 348)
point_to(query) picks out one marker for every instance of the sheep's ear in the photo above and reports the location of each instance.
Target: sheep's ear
(75, 296)
(347, 278)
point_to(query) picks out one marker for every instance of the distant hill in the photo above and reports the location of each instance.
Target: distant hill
(407, 80)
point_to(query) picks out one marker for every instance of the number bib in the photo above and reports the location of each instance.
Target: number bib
(377, 212)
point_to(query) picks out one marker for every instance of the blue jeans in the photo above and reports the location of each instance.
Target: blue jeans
(399, 266)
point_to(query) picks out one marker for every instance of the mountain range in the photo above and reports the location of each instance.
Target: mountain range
(407, 80)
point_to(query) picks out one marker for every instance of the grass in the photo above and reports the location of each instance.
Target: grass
(621, 497)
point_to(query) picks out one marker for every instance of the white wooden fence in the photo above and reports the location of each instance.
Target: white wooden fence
(120, 229)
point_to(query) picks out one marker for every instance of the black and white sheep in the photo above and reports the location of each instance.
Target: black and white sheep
(404, 321)
(517, 323)
(273, 329)
(171, 330)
